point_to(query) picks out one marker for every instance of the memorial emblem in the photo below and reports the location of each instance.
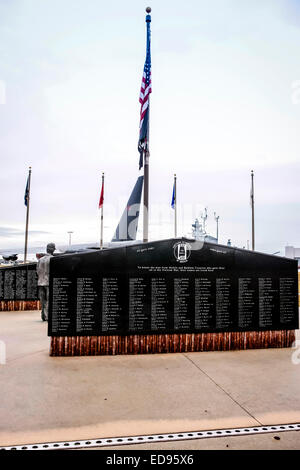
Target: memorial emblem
(182, 251)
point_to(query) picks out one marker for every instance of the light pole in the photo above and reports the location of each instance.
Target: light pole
(217, 220)
(70, 239)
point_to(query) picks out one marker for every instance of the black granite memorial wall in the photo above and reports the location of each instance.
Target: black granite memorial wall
(171, 287)
(18, 287)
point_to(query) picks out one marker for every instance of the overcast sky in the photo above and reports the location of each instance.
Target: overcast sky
(225, 100)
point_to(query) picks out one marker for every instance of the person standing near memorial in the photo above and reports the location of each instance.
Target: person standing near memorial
(43, 268)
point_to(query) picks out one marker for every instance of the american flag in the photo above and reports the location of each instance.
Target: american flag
(144, 98)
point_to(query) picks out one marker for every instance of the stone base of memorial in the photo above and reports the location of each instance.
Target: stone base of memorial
(19, 305)
(151, 344)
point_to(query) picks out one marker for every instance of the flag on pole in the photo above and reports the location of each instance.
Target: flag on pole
(173, 197)
(26, 202)
(173, 205)
(146, 89)
(26, 195)
(101, 200)
(251, 190)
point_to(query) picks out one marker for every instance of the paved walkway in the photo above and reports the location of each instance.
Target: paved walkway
(46, 399)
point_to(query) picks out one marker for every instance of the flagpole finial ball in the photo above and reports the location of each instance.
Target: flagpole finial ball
(148, 10)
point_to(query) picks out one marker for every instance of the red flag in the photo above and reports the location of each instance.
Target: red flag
(101, 196)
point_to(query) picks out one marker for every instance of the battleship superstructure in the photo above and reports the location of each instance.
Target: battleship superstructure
(199, 229)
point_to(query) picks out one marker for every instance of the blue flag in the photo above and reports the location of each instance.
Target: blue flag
(26, 195)
(173, 197)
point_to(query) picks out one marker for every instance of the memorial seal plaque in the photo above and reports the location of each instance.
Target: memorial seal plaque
(182, 251)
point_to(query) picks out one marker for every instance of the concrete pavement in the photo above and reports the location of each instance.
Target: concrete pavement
(47, 399)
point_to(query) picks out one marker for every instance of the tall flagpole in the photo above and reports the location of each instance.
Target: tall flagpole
(252, 209)
(146, 197)
(175, 206)
(146, 156)
(27, 201)
(102, 204)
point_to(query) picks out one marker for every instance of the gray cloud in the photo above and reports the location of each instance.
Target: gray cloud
(10, 232)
